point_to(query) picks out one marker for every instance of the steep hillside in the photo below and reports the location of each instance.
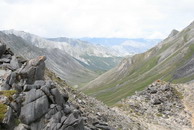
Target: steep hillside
(58, 61)
(170, 60)
(33, 98)
(86, 53)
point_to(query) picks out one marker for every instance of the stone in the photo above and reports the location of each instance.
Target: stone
(33, 95)
(33, 70)
(12, 78)
(17, 87)
(103, 127)
(34, 110)
(74, 120)
(67, 109)
(65, 97)
(28, 87)
(57, 96)
(2, 49)
(63, 119)
(58, 116)
(22, 127)
(39, 83)
(14, 63)
(5, 60)
(5, 86)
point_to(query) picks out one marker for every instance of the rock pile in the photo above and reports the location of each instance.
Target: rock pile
(159, 104)
(29, 102)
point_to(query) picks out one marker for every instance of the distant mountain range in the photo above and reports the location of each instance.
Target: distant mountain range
(64, 65)
(76, 61)
(125, 46)
(171, 60)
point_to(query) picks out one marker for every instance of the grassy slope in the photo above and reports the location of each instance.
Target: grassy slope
(101, 64)
(146, 69)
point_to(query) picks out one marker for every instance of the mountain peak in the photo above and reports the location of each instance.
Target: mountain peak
(173, 33)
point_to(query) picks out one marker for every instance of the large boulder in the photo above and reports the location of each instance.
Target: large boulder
(34, 110)
(33, 70)
(14, 63)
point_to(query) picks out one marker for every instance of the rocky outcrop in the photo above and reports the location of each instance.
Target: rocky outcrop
(173, 33)
(159, 106)
(29, 102)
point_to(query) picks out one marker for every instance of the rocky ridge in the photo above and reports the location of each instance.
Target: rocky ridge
(161, 106)
(31, 101)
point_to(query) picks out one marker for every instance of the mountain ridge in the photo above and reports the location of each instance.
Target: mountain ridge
(162, 61)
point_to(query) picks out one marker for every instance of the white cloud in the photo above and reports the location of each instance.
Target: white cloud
(96, 18)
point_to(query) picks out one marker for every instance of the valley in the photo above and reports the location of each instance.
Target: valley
(95, 86)
(171, 60)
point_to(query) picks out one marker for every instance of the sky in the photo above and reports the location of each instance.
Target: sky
(153, 19)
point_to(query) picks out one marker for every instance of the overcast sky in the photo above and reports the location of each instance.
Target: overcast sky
(96, 18)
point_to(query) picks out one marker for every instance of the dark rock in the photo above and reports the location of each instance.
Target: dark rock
(57, 96)
(39, 83)
(5, 86)
(34, 110)
(2, 49)
(17, 87)
(156, 101)
(28, 87)
(33, 70)
(33, 95)
(12, 78)
(5, 60)
(67, 109)
(65, 97)
(103, 127)
(63, 119)
(14, 63)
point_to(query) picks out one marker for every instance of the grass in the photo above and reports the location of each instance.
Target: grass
(178, 94)
(111, 96)
(55, 78)
(8, 93)
(142, 73)
(3, 110)
(3, 107)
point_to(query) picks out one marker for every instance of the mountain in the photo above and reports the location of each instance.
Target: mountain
(33, 98)
(64, 65)
(94, 57)
(126, 46)
(171, 60)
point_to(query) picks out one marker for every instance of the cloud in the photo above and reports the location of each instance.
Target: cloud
(96, 18)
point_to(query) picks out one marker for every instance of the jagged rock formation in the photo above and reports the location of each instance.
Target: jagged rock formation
(173, 33)
(160, 106)
(31, 101)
